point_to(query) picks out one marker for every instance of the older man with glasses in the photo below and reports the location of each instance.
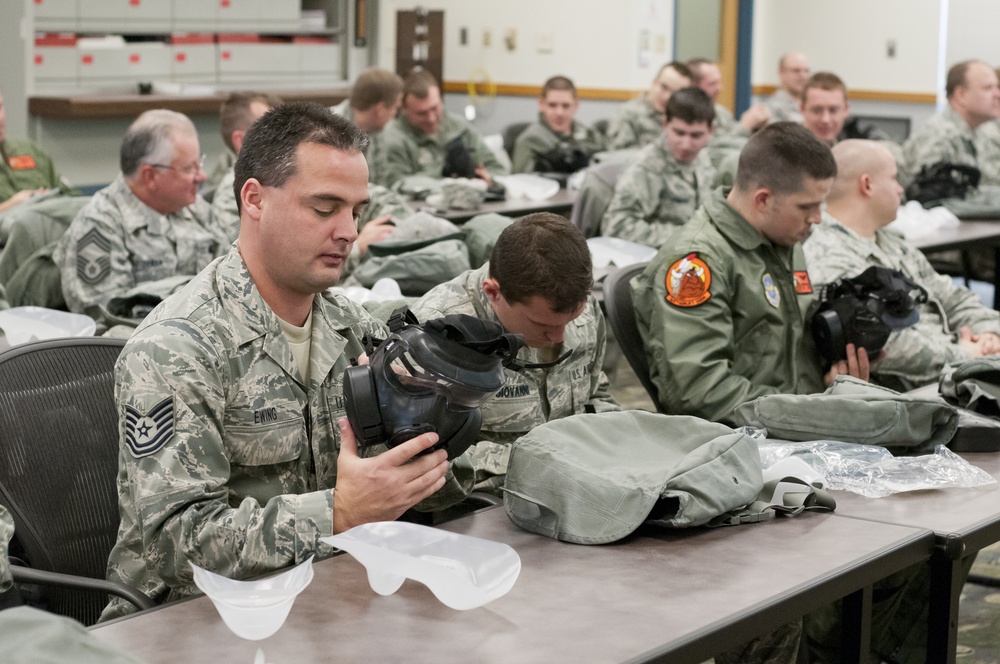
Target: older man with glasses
(146, 233)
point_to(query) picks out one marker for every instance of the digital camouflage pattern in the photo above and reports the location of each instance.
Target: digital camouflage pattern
(636, 125)
(947, 137)
(657, 194)
(728, 138)
(409, 151)
(224, 208)
(784, 107)
(6, 532)
(534, 396)
(916, 355)
(243, 482)
(735, 328)
(117, 242)
(27, 166)
(375, 154)
(538, 138)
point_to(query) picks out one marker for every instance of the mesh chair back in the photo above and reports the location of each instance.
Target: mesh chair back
(510, 134)
(621, 318)
(59, 461)
(594, 197)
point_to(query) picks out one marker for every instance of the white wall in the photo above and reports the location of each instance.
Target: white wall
(850, 38)
(972, 31)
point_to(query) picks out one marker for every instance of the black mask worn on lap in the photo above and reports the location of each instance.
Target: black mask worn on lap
(864, 310)
(430, 377)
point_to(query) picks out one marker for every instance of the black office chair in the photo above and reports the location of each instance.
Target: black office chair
(510, 134)
(58, 465)
(621, 318)
(594, 197)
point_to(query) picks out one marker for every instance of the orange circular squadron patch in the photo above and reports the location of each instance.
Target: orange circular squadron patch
(687, 282)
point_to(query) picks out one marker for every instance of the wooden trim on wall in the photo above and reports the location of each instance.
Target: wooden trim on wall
(866, 95)
(511, 90)
(729, 28)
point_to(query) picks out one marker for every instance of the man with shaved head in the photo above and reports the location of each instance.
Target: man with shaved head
(793, 71)
(953, 326)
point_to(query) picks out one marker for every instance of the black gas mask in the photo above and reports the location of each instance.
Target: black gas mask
(429, 377)
(864, 310)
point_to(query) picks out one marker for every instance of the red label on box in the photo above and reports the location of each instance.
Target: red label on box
(38, 60)
(134, 3)
(133, 58)
(87, 59)
(181, 57)
(226, 55)
(224, 3)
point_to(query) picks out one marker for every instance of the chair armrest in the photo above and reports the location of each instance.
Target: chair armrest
(483, 499)
(46, 578)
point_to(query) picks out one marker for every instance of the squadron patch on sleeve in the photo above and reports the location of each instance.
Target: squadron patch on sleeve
(93, 262)
(802, 284)
(146, 433)
(687, 282)
(24, 162)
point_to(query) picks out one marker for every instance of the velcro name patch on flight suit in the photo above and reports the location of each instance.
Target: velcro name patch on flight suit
(146, 433)
(687, 282)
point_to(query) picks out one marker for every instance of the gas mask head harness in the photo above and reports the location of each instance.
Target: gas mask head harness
(430, 377)
(864, 310)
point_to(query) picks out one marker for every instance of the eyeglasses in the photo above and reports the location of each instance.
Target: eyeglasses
(186, 171)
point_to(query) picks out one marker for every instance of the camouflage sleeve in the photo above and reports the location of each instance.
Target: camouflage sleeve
(631, 214)
(961, 306)
(927, 148)
(179, 491)
(94, 262)
(400, 157)
(600, 386)
(224, 208)
(6, 532)
(481, 154)
(691, 350)
(918, 354)
(829, 260)
(621, 133)
(525, 148)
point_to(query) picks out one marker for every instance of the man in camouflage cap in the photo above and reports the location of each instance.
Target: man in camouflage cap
(537, 283)
(555, 128)
(415, 142)
(233, 432)
(639, 122)
(954, 325)
(149, 225)
(671, 178)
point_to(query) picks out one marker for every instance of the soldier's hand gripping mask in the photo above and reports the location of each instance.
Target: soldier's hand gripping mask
(864, 310)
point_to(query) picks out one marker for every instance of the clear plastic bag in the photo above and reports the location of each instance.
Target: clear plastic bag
(873, 471)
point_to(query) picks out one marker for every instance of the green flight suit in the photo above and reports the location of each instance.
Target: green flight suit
(409, 151)
(540, 138)
(375, 154)
(26, 166)
(736, 329)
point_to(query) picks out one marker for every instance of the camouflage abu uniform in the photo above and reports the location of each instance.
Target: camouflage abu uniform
(914, 356)
(375, 154)
(728, 138)
(784, 107)
(227, 458)
(117, 242)
(947, 137)
(224, 208)
(657, 194)
(409, 151)
(636, 125)
(722, 313)
(534, 396)
(538, 138)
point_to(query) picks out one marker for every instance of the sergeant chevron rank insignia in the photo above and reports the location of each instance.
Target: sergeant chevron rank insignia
(146, 433)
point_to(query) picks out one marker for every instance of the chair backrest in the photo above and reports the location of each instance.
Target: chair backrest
(510, 134)
(59, 460)
(594, 197)
(621, 318)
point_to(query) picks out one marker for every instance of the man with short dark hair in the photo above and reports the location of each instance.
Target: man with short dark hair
(785, 103)
(538, 283)
(234, 430)
(824, 106)
(416, 141)
(150, 226)
(237, 113)
(722, 307)
(639, 122)
(373, 103)
(671, 178)
(961, 134)
(555, 131)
